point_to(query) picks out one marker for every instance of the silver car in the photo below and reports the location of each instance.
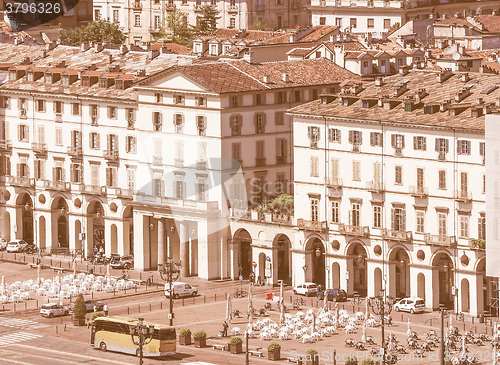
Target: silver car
(53, 310)
(17, 246)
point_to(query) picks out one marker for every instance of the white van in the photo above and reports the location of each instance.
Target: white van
(180, 289)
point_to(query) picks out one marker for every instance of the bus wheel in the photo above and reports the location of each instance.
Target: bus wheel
(103, 346)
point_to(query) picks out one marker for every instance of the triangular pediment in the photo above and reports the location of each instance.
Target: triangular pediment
(173, 79)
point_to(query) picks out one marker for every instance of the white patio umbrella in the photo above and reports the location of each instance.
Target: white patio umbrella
(282, 303)
(60, 282)
(108, 274)
(367, 311)
(38, 271)
(74, 268)
(409, 328)
(250, 304)
(463, 344)
(229, 310)
(337, 314)
(390, 346)
(363, 336)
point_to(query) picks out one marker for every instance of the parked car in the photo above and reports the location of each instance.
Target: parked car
(180, 289)
(412, 305)
(53, 310)
(89, 304)
(307, 289)
(3, 244)
(17, 246)
(122, 262)
(335, 295)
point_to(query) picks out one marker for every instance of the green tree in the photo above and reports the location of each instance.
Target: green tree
(258, 26)
(96, 31)
(178, 27)
(282, 204)
(207, 22)
(79, 310)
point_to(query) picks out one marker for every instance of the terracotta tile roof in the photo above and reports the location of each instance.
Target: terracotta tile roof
(347, 46)
(436, 93)
(353, 55)
(318, 32)
(299, 51)
(455, 22)
(240, 76)
(491, 23)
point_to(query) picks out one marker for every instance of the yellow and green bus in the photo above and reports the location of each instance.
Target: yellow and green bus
(113, 333)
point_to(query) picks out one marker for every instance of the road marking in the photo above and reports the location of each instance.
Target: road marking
(75, 355)
(17, 337)
(24, 324)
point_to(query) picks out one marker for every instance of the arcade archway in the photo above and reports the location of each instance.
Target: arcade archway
(244, 241)
(282, 258)
(443, 267)
(59, 209)
(357, 268)
(315, 261)
(400, 272)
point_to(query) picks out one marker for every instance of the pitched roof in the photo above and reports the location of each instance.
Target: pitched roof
(482, 94)
(491, 23)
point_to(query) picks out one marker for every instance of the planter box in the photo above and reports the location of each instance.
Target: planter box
(236, 349)
(274, 355)
(80, 321)
(185, 340)
(201, 342)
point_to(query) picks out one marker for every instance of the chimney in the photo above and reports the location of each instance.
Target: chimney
(461, 50)
(444, 75)
(497, 103)
(141, 73)
(444, 105)
(110, 58)
(379, 81)
(44, 53)
(479, 101)
(153, 53)
(380, 102)
(61, 64)
(98, 46)
(286, 77)
(124, 49)
(84, 47)
(465, 77)
(50, 46)
(291, 38)
(265, 79)
(403, 70)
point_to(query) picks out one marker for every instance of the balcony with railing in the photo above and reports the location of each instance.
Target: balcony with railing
(20, 181)
(5, 145)
(418, 191)
(232, 9)
(201, 165)
(462, 195)
(260, 161)
(93, 120)
(157, 160)
(393, 235)
(75, 151)
(111, 155)
(57, 185)
(349, 230)
(311, 225)
(477, 244)
(23, 113)
(439, 240)
(441, 156)
(93, 189)
(121, 193)
(375, 186)
(137, 5)
(334, 182)
(39, 148)
(178, 162)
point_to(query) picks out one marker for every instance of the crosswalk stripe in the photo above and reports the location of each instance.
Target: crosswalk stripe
(17, 337)
(21, 323)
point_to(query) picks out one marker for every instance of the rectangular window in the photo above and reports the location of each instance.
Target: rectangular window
(353, 22)
(40, 106)
(76, 173)
(201, 101)
(355, 138)
(59, 137)
(463, 147)
(313, 135)
(94, 110)
(179, 151)
(377, 216)
(137, 20)
(370, 23)
(111, 176)
(58, 107)
(39, 169)
(464, 226)
(481, 149)
(260, 123)
(279, 118)
(314, 166)
(116, 16)
(398, 175)
(157, 184)
(75, 109)
(338, 22)
(41, 134)
(398, 141)
(97, 14)
(179, 99)
(260, 149)
(419, 143)
(131, 178)
(442, 226)
(234, 101)
(232, 23)
(236, 151)
(334, 135)
(23, 133)
(399, 219)
(315, 210)
(442, 179)
(356, 170)
(112, 142)
(420, 178)
(464, 183)
(6, 102)
(157, 22)
(202, 189)
(335, 211)
(259, 99)
(334, 171)
(179, 187)
(281, 183)
(420, 221)
(322, 20)
(281, 150)
(130, 144)
(157, 121)
(202, 152)
(235, 124)
(94, 142)
(112, 112)
(94, 174)
(355, 215)
(201, 125)
(387, 23)
(481, 227)
(76, 139)
(297, 96)
(280, 97)
(376, 139)
(442, 145)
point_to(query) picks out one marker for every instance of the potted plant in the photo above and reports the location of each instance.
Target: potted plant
(79, 311)
(96, 315)
(367, 361)
(235, 345)
(273, 351)
(352, 360)
(312, 357)
(200, 339)
(185, 336)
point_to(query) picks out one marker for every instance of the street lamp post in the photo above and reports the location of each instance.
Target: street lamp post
(442, 349)
(381, 306)
(141, 335)
(170, 273)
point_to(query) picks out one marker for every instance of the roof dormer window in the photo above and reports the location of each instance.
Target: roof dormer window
(48, 78)
(86, 81)
(30, 76)
(12, 75)
(65, 80)
(103, 83)
(119, 84)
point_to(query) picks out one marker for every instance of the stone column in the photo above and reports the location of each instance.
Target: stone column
(161, 241)
(184, 247)
(141, 241)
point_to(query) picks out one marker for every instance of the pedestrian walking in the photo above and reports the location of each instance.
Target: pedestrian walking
(106, 309)
(224, 331)
(95, 307)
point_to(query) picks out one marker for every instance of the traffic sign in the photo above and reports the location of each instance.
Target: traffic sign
(254, 264)
(241, 277)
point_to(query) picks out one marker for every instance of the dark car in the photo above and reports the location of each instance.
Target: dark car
(123, 262)
(335, 295)
(89, 304)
